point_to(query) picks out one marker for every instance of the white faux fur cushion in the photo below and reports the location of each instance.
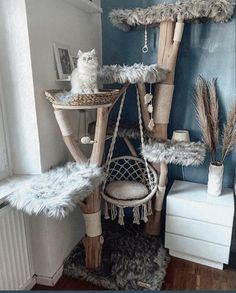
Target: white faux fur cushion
(174, 152)
(137, 72)
(125, 190)
(56, 193)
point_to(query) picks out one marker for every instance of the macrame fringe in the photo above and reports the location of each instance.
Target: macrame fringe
(106, 212)
(139, 213)
(149, 211)
(144, 213)
(136, 215)
(113, 212)
(121, 216)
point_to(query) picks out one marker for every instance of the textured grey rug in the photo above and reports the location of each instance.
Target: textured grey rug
(131, 260)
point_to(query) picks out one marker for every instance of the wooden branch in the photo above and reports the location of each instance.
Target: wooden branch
(92, 205)
(170, 38)
(169, 42)
(67, 133)
(145, 114)
(100, 136)
(93, 245)
(130, 147)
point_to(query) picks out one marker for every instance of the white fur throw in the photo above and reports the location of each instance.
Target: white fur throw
(211, 10)
(55, 193)
(133, 74)
(173, 152)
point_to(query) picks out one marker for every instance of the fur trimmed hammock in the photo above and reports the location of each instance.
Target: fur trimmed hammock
(175, 152)
(202, 10)
(57, 192)
(132, 74)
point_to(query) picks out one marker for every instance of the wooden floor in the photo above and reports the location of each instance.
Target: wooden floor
(181, 275)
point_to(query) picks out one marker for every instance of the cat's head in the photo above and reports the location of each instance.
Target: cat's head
(87, 58)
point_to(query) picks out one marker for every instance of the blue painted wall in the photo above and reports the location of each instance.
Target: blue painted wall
(207, 49)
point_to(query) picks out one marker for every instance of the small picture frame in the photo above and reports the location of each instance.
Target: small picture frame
(64, 61)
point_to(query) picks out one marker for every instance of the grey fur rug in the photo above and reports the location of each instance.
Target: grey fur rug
(202, 10)
(129, 257)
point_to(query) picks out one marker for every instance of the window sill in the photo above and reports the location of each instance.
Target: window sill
(9, 185)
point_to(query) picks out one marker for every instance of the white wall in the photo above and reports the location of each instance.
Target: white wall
(52, 21)
(52, 241)
(18, 88)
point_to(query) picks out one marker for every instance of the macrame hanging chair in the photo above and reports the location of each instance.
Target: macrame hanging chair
(130, 181)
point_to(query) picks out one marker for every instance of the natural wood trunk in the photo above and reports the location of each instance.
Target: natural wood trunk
(93, 245)
(169, 42)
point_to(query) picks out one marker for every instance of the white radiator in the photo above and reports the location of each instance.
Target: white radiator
(15, 257)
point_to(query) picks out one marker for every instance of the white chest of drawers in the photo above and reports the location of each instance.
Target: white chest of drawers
(198, 226)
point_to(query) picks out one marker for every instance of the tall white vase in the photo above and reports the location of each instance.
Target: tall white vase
(215, 179)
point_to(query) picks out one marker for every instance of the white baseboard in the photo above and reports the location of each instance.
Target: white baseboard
(50, 281)
(29, 285)
(195, 259)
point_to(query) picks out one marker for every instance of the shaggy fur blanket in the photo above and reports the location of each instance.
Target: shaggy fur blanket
(173, 152)
(202, 10)
(56, 192)
(130, 259)
(132, 74)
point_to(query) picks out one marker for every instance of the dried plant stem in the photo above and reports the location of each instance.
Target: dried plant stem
(213, 116)
(203, 112)
(229, 133)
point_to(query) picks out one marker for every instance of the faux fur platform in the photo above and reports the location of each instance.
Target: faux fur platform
(202, 10)
(173, 152)
(132, 74)
(130, 131)
(55, 193)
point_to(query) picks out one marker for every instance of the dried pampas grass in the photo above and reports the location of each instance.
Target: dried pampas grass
(207, 108)
(229, 133)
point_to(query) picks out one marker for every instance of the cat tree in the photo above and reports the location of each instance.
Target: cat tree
(171, 19)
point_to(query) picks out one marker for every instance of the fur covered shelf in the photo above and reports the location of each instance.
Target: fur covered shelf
(201, 10)
(57, 192)
(132, 74)
(175, 152)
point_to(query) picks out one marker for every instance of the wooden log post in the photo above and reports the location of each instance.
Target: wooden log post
(169, 41)
(91, 207)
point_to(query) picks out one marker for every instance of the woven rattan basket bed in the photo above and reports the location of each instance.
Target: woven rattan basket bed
(101, 98)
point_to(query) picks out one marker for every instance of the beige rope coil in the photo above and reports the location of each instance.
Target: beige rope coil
(93, 226)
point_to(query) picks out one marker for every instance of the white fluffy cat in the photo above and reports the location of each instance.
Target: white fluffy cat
(84, 77)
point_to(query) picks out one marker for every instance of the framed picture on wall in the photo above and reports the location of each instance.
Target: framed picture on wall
(64, 61)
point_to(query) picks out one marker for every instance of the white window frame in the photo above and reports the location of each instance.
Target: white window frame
(6, 170)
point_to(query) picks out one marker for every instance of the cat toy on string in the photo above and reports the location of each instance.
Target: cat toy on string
(86, 139)
(145, 47)
(148, 101)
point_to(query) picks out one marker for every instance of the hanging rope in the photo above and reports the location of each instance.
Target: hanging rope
(113, 142)
(142, 137)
